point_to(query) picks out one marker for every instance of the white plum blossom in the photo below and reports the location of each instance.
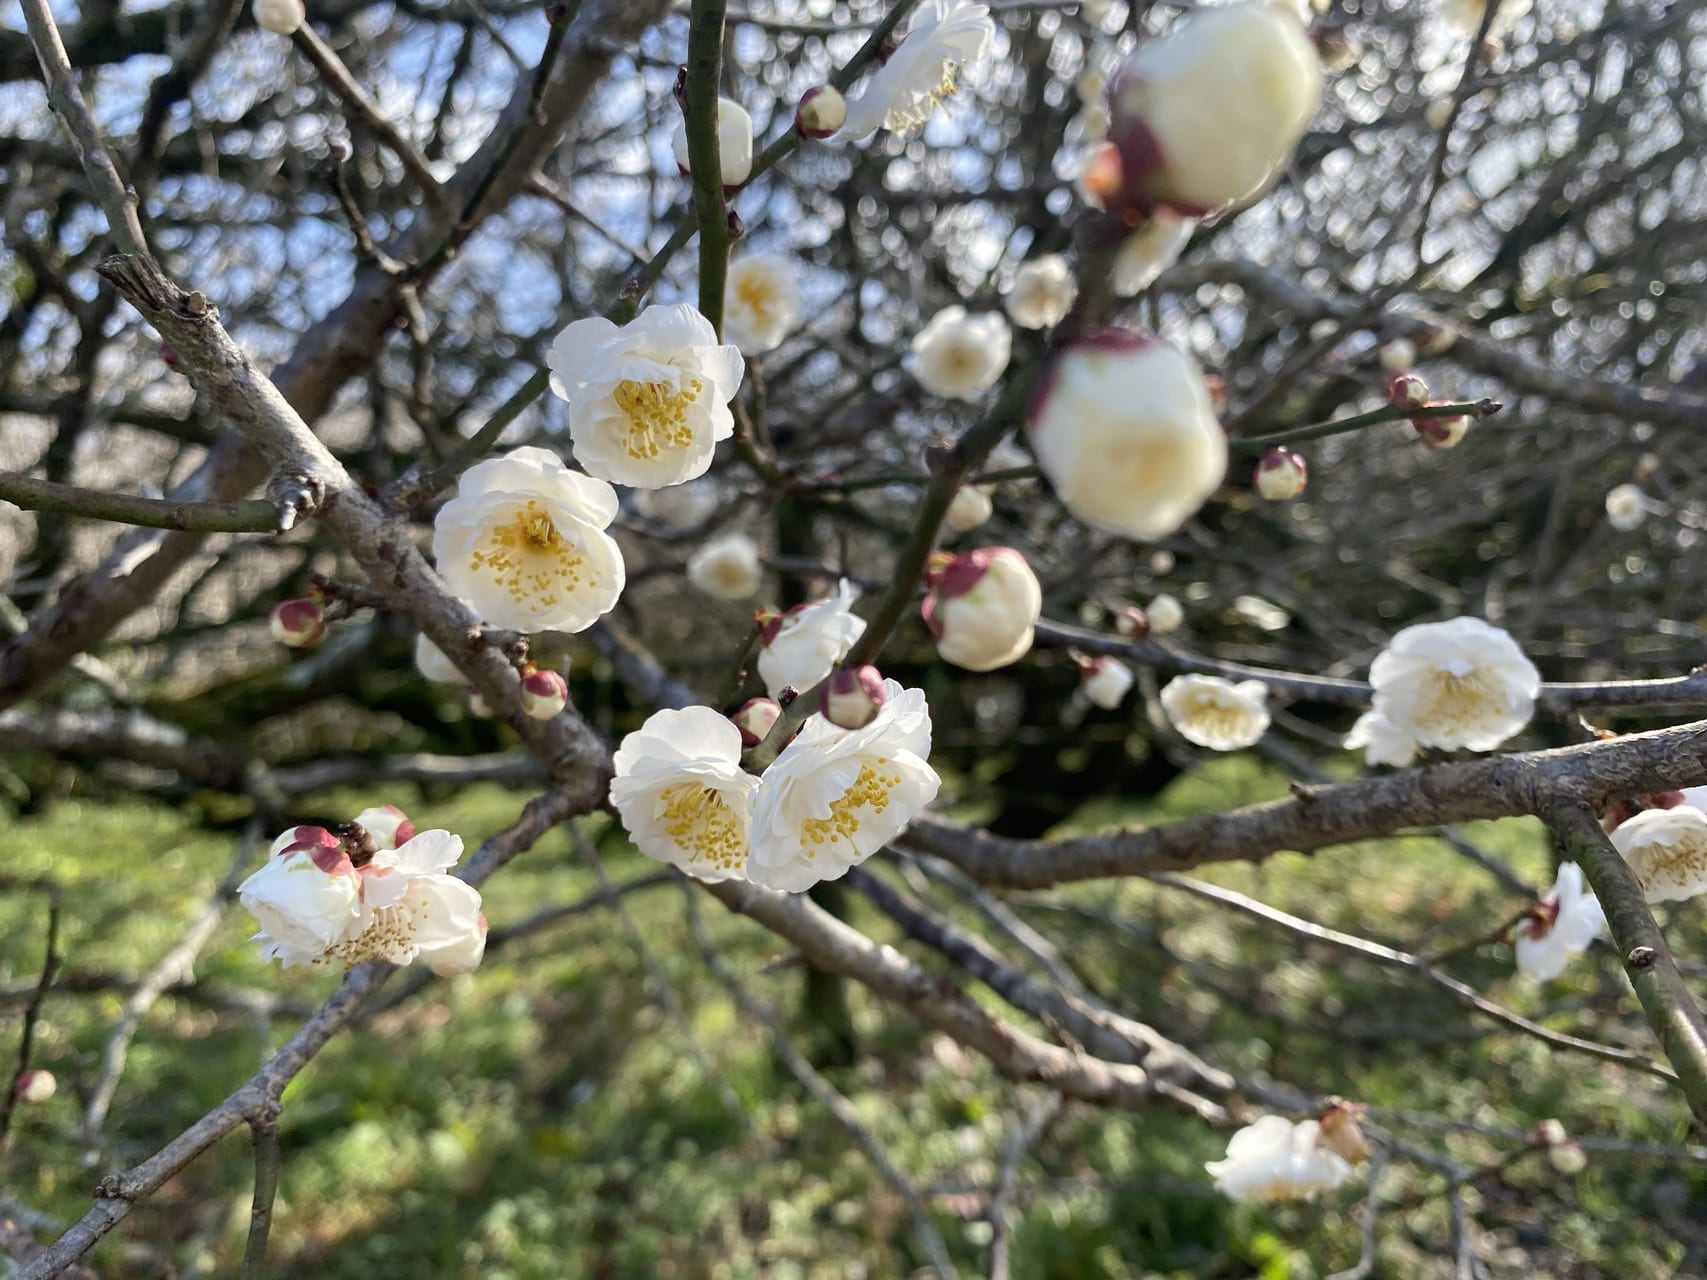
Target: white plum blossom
(318, 898)
(1456, 684)
(1165, 615)
(1465, 16)
(836, 796)
(944, 36)
(1626, 507)
(734, 143)
(1563, 923)
(800, 647)
(1207, 115)
(727, 568)
(960, 356)
(1124, 428)
(1151, 250)
(1667, 849)
(983, 607)
(1217, 713)
(761, 301)
(682, 794)
(1106, 682)
(1383, 742)
(281, 16)
(461, 956)
(524, 543)
(1043, 291)
(649, 400)
(970, 507)
(431, 662)
(35, 1086)
(1275, 1159)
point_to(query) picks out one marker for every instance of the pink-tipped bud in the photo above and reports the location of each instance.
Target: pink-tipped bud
(298, 623)
(755, 718)
(544, 694)
(36, 1086)
(1407, 391)
(983, 608)
(1340, 1132)
(1442, 433)
(821, 112)
(1281, 475)
(1132, 622)
(169, 354)
(852, 697)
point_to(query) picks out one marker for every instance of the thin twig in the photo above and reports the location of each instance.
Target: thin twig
(32, 1010)
(264, 1130)
(252, 515)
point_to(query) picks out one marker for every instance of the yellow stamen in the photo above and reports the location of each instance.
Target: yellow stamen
(869, 791)
(532, 559)
(657, 415)
(698, 819)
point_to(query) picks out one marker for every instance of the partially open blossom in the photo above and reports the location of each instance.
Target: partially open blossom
(1626, 507)
(799, 648)
(982, 608)
(1383, 742)
(1151, 250)
(1123, 427)
(822, 111)
(851, 698)
(298, 623)
(1455, 684)
(754, 719)
(734, 143)
(1208, 114)
(1667, 849)
(970, 508)
(727, 567)
(1275, 1159)
(761, 301)
(1217, 713)
(281, 16)
(1442, 432)
(925, 67)
(1407, 391)
(35, 1086)
(1563, 923)
(1281, 475)
(1398, 356)
(431, 662)
(1165, 615)
(648, 401)
(960, 356)
(524, 543)
(544, 694)
(1042, 292)
(836, 796)
(1106, 681)
(682, 794)
(386, 824)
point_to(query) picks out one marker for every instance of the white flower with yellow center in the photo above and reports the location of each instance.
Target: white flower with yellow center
(1124, 428)
(799, 648)
(836, 796)
(1667, 849)
(1043, 292)
(682, 794)
(761, 301)
(524, 543)
(727, 568)
(734, 143)
(1217, 713)
(1626, 507)
(1275, 1159)
(648, 401)
(1151, 250)
(959, 356)
(1459, 683)
(900, 96)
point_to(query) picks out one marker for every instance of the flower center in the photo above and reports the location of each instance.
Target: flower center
(870, 790)
(1223, 719)
(698, 819)
(1455, 700)
(530, 557)
(657, 414)
(755, 295)
(389, 935)
(1681, 862)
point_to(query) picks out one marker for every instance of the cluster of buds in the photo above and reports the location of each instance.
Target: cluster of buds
(1281, 475)
(299, 623)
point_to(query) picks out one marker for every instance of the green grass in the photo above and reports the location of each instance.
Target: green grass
(544, 1118)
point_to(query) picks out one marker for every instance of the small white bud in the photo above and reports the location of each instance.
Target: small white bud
(282, 16)
(821, 112)
(1166, 615)
(971, 507)
(1281, 475)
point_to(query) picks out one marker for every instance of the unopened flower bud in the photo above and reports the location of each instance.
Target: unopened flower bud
(821, 112)
(1105, 682)
(1407, 391)
(755, 718)
(1166, 614)
(1442, 433)
(282, 16)
(983, 608)
(1281, 475)
(1567, 1158)
(36, 1086)
(1132, 622)
(298, 623)
(1340, 1132)
(1550, 1133)
(544, 694)
(1399, 355)
(971, 507)
(852, 697)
